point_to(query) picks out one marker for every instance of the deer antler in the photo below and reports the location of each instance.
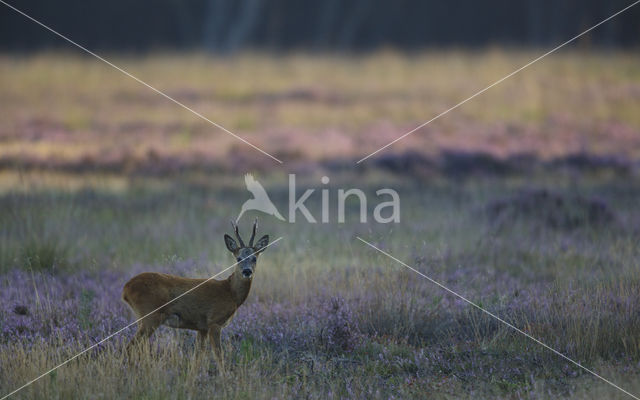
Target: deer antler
(235, 229)
(253, 232)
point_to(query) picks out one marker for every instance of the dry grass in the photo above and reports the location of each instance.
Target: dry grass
(327, 317)
(77, 111)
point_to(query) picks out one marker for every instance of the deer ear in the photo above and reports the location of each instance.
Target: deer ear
(261, 244)
(231, 244)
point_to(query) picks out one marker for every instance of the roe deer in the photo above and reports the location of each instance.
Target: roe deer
(206, 309)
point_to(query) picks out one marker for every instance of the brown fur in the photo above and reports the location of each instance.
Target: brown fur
(206, 309)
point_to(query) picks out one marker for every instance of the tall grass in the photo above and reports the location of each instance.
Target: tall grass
(344, 323)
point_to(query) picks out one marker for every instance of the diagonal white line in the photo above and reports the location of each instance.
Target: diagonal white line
(131, 324)
(496, 317)
(498, 81)
(141, 81)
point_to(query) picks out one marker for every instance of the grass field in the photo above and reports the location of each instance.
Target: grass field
(524, 201)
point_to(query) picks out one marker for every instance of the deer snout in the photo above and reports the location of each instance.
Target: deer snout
(247, 272)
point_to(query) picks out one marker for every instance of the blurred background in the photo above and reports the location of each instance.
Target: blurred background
(321, 82)
(222, 26)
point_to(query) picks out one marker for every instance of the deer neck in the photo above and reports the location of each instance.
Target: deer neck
(239, 287)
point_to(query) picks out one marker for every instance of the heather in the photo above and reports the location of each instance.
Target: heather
(524, 202)
(346, 323)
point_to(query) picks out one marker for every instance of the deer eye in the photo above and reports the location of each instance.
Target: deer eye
(253, 259)
(239, 259)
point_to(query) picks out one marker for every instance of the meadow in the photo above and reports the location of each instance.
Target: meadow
(523, 201)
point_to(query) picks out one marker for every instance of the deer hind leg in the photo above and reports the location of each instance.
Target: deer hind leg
(202, 340)
(214, 338)
(146, 327)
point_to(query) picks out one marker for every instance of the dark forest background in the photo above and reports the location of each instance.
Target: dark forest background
(228, 25)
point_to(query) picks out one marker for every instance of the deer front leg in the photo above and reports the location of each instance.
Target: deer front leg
(214, 337)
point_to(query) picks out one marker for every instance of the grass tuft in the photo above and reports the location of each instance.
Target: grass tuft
(48, 254)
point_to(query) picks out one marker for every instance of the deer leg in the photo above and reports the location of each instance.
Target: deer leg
(146, 327)
(202, 339)
(214, 338)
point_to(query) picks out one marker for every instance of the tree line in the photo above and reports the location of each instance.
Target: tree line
(223, 26)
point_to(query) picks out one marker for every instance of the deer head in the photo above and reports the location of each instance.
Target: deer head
(246, 256)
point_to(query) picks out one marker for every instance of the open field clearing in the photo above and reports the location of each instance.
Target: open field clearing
(77, 113)
(524, 200)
